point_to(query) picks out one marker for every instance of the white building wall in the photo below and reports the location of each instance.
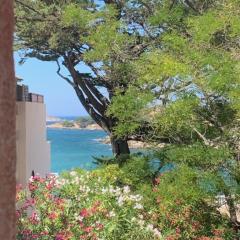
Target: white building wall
(33, 150)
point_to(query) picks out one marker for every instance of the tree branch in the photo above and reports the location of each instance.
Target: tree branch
(97, 93)
(96, 117)
(63, 77)
(201, 136)
(94, 102)
(30, 8)
(88, 105)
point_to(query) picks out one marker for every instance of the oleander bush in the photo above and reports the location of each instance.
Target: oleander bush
(81, 205)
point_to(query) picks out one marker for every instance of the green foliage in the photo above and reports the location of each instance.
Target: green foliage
(184, 208)
(133, 101)
(67, 124)
(159, 66)
(137, 171)
(105, 39)
(75, 15)
(162, 17)
(39, 35)
(193, 78)
(83, 122)
(196, 156)
(133, 171)
(179, 118)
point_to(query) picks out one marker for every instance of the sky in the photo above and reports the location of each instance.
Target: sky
(41, 78)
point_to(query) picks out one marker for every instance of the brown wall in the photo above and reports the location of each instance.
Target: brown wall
(7, 124)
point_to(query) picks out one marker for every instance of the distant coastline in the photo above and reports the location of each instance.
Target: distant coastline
(72, 123)
(85, 123)
(60, 125)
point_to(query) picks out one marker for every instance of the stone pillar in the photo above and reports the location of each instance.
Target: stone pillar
(7, 123)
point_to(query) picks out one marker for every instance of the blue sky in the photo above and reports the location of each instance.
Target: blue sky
(41, 77)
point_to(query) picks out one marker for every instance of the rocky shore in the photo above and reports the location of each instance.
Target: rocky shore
(132, 144)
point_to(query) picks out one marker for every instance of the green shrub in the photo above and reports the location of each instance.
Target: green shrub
(67, 124)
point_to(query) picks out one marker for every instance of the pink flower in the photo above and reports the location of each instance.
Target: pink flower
(157, 180)
(18, 214)
(26, 232)
(100, 226)
(49, 186)
(34, 218)
(32, 187)
(59, 236)
(88, 229)
(52, 216)
(44, 233)
(84, 213)
(178, 231)
(29, 203)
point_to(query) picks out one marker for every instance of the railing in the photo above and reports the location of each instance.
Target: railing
(24, 96)
(33, 97)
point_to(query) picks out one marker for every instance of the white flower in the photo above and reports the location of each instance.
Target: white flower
(104, 190)
(79, 218)
(112, 214)
(140, 216)
(73, 173)
(141, 223)
(157, 233)
(120, 201)
(59, 182)
(136, 198)
(138, 206)
(126, 189)
(150, 227)
(133, 219)
(111, 190)
(118, 191)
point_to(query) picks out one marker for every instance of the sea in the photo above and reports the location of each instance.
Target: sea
(75, 148)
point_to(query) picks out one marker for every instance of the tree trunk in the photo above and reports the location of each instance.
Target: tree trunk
(7, 123)
(119, 146)
(233, 216)
(232, 212)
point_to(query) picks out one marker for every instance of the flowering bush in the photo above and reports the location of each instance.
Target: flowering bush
(81, 205)
(183, 210)
(121, 203)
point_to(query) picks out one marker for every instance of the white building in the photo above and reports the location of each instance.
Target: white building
(33, 150)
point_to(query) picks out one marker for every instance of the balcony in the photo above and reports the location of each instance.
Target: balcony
(33, 97)
(24, 96)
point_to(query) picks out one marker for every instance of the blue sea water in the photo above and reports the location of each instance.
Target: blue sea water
(71, 148)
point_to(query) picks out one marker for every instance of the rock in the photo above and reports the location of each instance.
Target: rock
(133, 144)
(93, 127)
